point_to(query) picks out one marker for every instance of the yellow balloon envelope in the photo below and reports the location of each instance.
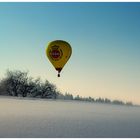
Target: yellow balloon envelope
(58, 52)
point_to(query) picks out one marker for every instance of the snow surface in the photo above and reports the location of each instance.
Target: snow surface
(36, 118)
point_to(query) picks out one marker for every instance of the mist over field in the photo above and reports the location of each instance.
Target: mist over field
(42, 118)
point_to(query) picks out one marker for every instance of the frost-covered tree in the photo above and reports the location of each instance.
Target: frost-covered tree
(68, 96)
(13, 82)
(17, 83)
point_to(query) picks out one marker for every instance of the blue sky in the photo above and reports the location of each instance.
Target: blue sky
(105, 38)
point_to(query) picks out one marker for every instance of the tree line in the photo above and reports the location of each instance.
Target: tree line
(18, 83)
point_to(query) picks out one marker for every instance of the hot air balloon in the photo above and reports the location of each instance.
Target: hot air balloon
(58, 52)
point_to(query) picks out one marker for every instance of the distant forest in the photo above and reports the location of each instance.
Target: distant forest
(18, 83)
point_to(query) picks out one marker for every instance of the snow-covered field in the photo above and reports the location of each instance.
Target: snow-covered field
(48, 118)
